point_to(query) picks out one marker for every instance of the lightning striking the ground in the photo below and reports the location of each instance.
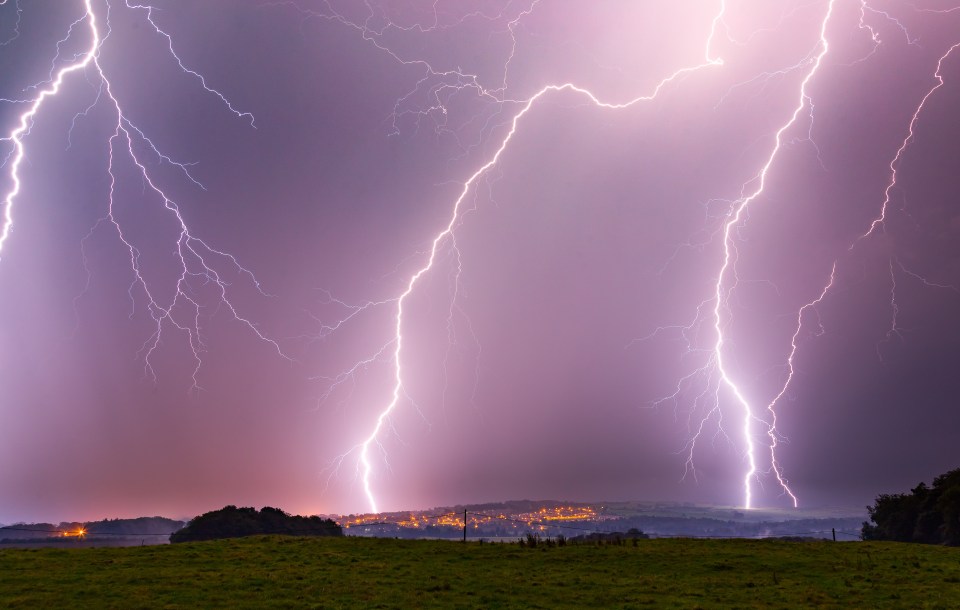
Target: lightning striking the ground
(446, 234)
(723, 289)
(731, 118)
(874, 225)
(716, 309)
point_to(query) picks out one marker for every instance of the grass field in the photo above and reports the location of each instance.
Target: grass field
(369, 573)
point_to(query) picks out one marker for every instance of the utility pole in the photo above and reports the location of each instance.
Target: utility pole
(464, 525)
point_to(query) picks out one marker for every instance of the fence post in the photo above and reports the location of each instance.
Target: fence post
(464, 525)
(834, 531)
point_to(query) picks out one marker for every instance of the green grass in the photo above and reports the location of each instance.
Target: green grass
(370, 573)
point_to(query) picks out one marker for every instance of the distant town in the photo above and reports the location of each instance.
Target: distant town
(500, 521)
(510, 520)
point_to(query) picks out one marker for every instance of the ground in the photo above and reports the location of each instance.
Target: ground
(363, 572)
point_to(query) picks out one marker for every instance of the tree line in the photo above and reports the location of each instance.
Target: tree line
(929, 515)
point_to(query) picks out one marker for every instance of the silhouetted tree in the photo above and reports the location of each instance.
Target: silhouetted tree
(929, 515)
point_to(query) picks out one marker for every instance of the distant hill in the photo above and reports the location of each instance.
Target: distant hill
(113, 528)
(233, 522)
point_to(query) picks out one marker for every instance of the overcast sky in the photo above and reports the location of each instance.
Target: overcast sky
(563, 343)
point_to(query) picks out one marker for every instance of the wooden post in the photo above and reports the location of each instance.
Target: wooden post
(464, 525)
(834, 531)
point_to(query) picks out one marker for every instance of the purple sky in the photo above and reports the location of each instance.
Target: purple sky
(532, 364)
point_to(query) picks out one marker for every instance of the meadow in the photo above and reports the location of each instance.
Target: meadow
(287, 572)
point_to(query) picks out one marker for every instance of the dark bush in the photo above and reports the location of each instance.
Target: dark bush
(233, 522)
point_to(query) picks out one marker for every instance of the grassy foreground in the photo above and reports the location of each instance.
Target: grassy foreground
(362, 572)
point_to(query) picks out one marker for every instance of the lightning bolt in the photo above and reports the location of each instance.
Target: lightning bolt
(876, 224)
(895, 162)
(723, 289)
(728, 268)
(201, 265)
(772, 433)
(16, 24)
(436, 83)
(23, 126)
(881, 219)
(726, 278)
(446, 234)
